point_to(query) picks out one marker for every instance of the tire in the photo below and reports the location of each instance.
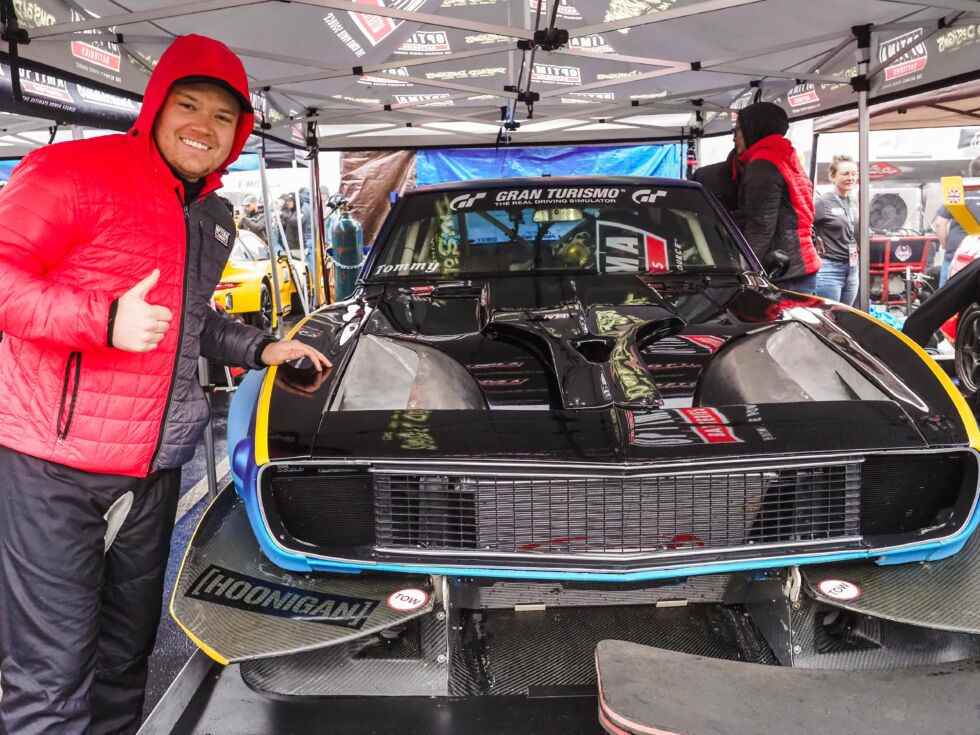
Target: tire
(966, 359)
(263, 317)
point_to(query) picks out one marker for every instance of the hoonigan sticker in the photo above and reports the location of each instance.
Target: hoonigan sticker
(222, 586)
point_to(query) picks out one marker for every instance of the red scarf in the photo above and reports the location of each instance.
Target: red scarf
(780, 153)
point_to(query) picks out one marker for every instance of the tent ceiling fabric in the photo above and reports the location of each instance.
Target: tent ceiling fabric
(412, 73)
(955, 106)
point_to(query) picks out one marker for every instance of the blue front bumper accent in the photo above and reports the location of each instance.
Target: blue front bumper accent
(928, 551)
(245, 474)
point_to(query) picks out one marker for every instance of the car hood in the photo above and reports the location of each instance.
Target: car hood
(602, 368)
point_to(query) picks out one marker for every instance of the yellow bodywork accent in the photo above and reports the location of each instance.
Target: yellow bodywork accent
(954, 199)
(211, 653)
(262, 409)
(966, 415)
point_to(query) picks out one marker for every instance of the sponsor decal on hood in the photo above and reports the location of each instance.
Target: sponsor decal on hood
(686, 426)
(909, 64)
(221, 586)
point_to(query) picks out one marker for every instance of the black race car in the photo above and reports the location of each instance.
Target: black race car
(563, 411)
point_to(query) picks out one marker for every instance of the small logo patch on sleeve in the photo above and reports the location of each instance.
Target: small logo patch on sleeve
(222, 235)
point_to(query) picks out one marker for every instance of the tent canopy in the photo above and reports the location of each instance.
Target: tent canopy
(416, 73)
(952, 107)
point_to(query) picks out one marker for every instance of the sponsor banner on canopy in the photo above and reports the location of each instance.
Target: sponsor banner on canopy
(91, 54)
(911, 59)
(46, 95)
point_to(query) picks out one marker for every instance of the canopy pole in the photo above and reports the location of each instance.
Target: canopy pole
(316, 200)
(301, 287)
(814, 147)
(273, 256)
(861, 84)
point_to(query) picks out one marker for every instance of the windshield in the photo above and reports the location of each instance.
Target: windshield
(596, 229)
(249, 246)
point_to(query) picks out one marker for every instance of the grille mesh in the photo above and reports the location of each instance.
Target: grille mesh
(617, 515)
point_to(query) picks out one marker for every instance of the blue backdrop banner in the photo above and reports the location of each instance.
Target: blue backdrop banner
(437, 166)
(7, 167)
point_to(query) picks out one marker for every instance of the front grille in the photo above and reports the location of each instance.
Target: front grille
(618, 515)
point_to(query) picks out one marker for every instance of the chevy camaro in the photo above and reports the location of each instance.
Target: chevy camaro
(563, 411)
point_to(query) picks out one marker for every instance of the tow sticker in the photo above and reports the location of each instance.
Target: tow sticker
(407, 600)
(839, 589)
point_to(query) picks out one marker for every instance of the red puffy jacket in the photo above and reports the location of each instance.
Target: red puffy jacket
(80, 224)
(776, 205)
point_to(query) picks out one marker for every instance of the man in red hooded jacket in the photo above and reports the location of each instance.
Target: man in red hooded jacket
(110, 249)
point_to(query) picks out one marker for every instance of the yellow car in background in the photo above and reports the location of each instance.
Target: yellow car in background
(245, 289)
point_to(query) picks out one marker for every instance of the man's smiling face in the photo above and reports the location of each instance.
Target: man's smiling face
(196, 128)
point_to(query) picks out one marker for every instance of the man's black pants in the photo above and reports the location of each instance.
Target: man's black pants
(77, 624)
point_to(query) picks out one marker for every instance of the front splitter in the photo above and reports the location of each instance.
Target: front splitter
(236, 605)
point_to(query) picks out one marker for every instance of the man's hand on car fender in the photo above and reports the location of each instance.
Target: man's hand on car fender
(140, 326)
(288, 350)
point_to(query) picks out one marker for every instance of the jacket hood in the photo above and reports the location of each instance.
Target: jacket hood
(760, 120)
(197, 57)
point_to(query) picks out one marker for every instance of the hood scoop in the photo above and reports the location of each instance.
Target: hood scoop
(594, 349)
(596, 355)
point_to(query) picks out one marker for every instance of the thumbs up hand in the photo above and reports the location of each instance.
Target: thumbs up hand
(140, 326)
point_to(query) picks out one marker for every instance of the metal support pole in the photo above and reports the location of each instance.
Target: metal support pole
(209, 458)
(814, 147)
(863, 34)
(273, 258)
(319, 230)
(300, 286)
(299, 214)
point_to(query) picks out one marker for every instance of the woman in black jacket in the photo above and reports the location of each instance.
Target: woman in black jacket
(775, 198)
